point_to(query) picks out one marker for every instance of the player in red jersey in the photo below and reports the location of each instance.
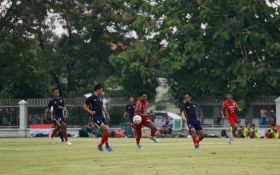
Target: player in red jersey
(230, 106)
(141, 109)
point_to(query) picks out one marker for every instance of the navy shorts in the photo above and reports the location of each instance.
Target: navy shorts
(98, 120)
(195, 125)
(130, 119)
(59, 120)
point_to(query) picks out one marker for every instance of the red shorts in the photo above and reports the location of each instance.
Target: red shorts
(145, 121)
(232, 120)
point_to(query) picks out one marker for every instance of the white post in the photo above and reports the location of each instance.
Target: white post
(22, 114)
(277, 101)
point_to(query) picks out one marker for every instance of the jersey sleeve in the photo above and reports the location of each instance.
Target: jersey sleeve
(182, 108)
(62, 103)
(50, 104)
(87, 101)
(126, 108)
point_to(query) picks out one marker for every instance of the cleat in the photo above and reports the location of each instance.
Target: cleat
(109, 149)
(154, 139)
(68, 143)
(138, 146)
(100, 148)
(51, 138)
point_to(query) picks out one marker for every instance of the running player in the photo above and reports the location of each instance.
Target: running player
(189, 114)
(230, 106)
(94, 106)
(129, 112)
(141, 109)
(58, 110)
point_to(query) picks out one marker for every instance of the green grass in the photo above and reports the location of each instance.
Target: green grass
(37, 156)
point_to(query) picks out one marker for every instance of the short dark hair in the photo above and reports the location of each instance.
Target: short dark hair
(143, 92)
(97, 87)
(130, 97)
(188, 93)
(54, 89)
(229, 92)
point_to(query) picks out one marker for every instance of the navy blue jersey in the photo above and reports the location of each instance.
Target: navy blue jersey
(129, 108)
(182, 108)
(57, 104)
(95, 104)
(190, 111)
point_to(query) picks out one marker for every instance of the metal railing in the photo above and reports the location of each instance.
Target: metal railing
(121, 101)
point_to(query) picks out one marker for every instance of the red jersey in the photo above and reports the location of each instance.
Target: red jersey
(231, 107)
(144, 106)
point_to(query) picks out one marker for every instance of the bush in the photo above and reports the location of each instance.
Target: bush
(116, 113)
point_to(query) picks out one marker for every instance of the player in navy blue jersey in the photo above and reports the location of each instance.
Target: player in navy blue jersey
(94, 106)
(189, 114)
(58, 109)
(129, 113)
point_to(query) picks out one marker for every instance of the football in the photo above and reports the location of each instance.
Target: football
(137, 119)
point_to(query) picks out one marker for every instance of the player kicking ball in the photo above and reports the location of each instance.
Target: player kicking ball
(58, 110)
(230, 106)
(94, 106)
(193, 125)
(141, 110)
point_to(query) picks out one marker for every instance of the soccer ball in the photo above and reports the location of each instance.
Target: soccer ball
(137, 119)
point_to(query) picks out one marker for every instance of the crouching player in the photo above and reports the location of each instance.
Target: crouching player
(189, 114)
(94, 106)
(58, 110)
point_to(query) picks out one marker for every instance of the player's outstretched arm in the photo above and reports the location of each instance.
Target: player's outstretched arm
(107, 116)
(184, 117)
(222, 111)
(65, 111)
(238, 108)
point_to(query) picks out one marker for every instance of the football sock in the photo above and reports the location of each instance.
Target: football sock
(153, 132)
(194, 140)
(55, 131)
(200, 138)
(106, 139)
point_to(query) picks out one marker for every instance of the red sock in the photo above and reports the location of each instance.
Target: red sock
(137, 140)
(137, 133)
(54, 132)
(65, 137)
(200, 138)
(106, 139)
(194, 140)
(102, 140)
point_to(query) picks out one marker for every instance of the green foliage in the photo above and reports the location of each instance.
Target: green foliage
(116, 114)
(77, 116)
(237, 48)
(135, 68)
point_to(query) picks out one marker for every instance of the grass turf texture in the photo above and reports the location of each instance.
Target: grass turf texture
(37, 156)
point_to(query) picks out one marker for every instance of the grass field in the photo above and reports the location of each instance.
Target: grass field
(37, 156)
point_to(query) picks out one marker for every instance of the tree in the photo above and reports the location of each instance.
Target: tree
(215, 46)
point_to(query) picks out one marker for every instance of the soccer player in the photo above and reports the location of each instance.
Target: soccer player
(193, 125)
(94, 106)
(129, 112)
(58, 109)
(141, 109)
(230, 106)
